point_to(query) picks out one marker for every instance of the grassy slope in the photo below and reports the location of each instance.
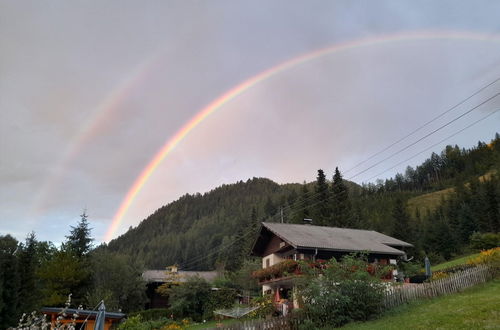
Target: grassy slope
(454, 262)
(475, 308)
(431, 201)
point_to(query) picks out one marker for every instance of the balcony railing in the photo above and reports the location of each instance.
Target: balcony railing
(288, 268)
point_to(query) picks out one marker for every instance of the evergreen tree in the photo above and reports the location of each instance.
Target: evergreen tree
(79, 240)
(341, 206)
(402, 228)
(321, 213)
(65, 273)
(9, 282)
(269, 208)
(28, 263)
(301, 207)
(492, 203)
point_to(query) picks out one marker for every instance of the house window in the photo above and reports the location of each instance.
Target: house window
(268, 262)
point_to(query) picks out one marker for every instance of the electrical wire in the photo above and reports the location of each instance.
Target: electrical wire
(435, 144)
(422, 126)
(425, 136)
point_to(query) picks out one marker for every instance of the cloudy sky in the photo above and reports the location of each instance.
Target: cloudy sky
(90, 91)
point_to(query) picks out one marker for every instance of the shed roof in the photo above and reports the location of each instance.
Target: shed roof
(336, 239)
(82, 312)
(159, 276)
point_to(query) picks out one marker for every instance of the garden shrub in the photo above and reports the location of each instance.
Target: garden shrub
(344, 292)
(266, 307)
(489, 257)
(484, 241)
(138, 323)
(219, 299)
(153, 314)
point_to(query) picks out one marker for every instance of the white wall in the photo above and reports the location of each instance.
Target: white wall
(273, 259)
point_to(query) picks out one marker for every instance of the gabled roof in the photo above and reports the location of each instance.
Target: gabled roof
(335, 239)
(159, 276)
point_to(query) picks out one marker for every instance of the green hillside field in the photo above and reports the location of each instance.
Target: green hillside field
(454, 262)
(475, 308)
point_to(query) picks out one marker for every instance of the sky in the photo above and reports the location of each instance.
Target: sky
(91, 91)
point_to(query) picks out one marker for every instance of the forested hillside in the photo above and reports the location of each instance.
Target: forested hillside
(216, 229)
(195, 225)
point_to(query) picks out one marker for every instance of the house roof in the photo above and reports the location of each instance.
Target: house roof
(159, 276)
(82, 312)
(336, 239)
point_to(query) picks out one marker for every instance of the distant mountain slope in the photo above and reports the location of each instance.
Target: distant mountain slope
(218, 228)
(189, 228)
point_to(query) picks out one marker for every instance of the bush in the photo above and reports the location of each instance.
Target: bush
(190, 298)
(137, 323)
(219, 299)
(484, 241)
(153, 314)
(345, 292)
(266, 307)
(489, 257)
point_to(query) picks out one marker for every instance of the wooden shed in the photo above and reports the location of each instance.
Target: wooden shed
(84, 316)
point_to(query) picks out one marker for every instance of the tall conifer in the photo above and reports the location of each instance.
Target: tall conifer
(341, 207)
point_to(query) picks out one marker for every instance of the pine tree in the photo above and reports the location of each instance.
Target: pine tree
(341, 207)
(321, 210)
(79, 240)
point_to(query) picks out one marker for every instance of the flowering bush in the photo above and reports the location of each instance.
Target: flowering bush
(439, 275)
(265, 307)
(284, 268)
(291, 267)
(346, 291)
(489, 257)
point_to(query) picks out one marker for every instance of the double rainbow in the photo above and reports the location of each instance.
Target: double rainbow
(231, 94)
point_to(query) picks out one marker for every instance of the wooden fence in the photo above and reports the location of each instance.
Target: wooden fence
(276, 323)
(395, 296)
(398, 295)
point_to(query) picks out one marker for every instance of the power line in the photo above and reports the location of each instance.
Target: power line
(314, 195)
(422, 126)
(425, 136)
(435, 144)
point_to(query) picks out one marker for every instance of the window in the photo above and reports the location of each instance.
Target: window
(268, 261)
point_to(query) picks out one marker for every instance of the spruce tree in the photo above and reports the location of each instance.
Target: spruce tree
(79, 240)
(301, 208)
(28, 264)
(341, 207)
(321, 213)
(9, 282)
(402, 228)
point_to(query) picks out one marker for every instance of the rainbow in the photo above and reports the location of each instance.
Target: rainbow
(102, 114)
(234, 92)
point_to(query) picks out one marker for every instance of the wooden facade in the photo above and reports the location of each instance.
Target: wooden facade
(278, 242)
(85, 319)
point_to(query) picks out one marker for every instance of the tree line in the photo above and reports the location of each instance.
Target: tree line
(36, 273)
(218, 228)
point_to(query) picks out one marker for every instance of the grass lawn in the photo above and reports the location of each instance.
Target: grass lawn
(454, 262)
(475, 308)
